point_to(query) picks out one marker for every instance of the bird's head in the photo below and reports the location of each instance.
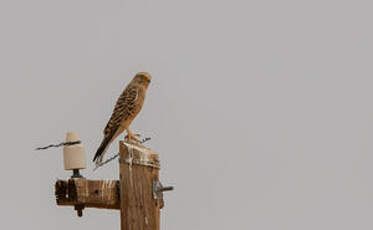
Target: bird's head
(142, 78)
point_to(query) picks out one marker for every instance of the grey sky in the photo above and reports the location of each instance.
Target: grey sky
(261, 110)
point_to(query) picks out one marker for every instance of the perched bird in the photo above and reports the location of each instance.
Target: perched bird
(127, 107)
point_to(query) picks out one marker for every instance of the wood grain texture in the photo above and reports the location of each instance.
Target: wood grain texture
(139, 168)
(102, 194)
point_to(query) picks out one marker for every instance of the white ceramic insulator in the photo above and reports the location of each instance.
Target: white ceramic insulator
(73, 155)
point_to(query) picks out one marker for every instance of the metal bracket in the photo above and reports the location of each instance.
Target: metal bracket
(76, 174)
(158, 190)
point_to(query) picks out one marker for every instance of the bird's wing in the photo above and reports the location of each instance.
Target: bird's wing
(123, 108)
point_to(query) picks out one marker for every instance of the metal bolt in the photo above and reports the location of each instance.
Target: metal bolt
(79, 209)
(165, 189)
(158, 190)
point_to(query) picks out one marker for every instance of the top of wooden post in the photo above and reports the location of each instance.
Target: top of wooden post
(134, 153)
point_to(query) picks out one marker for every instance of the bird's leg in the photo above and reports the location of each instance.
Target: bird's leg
(132, 136)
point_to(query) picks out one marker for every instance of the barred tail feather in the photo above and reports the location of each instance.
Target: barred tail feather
(102, 149)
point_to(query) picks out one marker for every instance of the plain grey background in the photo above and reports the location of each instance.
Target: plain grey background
(261, 110)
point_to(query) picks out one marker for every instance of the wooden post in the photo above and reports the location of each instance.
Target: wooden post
(139, 172)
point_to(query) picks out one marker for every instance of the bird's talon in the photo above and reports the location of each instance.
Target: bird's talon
(133, 137)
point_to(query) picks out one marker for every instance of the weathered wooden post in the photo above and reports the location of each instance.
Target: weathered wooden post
(139, 172)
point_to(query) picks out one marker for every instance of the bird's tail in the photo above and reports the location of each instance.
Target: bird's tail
(101, 150)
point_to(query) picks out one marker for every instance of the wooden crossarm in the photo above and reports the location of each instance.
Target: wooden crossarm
(103, 194)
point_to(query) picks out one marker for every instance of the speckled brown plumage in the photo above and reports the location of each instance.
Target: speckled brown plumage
(126, 109)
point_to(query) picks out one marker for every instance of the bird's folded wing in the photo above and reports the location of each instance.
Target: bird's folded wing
(123, 109)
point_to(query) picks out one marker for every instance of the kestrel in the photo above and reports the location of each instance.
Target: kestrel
(127, 107)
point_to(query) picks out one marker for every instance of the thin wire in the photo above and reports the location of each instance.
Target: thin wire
(117, 155)
(105, 162)
(59, 145)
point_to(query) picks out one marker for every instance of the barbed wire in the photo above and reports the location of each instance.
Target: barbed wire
(117, 155)
(59, 145)
(106, 161)
(79, 142)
